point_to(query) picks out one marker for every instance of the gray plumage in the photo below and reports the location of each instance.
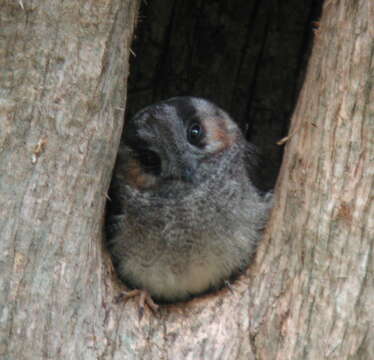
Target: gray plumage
(188, 215)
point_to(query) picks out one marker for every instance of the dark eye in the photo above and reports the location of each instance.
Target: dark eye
(195, 134)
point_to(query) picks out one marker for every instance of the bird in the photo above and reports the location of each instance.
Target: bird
(185, 215)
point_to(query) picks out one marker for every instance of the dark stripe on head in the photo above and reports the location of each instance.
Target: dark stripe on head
(184, 108)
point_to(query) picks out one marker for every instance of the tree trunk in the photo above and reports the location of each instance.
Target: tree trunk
(309, 293)
(64, 66)
(312, 291)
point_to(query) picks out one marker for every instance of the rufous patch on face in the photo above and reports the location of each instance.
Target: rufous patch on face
(136, 176)
(220, 134)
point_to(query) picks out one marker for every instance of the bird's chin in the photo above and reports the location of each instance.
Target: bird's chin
(173, 188)
(176, 180)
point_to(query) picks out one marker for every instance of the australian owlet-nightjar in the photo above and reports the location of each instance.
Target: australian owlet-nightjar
(188, 215)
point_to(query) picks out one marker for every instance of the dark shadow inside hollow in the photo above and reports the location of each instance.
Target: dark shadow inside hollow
(247, 56)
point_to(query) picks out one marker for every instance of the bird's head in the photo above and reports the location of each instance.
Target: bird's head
(175, 141)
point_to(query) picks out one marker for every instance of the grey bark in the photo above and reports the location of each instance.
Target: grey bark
(309, 293)
(64, 66)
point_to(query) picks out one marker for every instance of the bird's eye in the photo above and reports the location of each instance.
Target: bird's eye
(195, 134)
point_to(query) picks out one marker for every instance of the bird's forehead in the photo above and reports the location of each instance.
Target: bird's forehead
(179, 108)
(203, 106)
(171, 116)
(162, 113)
(156, 121)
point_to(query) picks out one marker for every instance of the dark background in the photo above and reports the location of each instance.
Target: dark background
(247, 56)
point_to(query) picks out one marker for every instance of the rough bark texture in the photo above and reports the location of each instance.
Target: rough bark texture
(309, 293)
(313, 289)
(63, 66)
